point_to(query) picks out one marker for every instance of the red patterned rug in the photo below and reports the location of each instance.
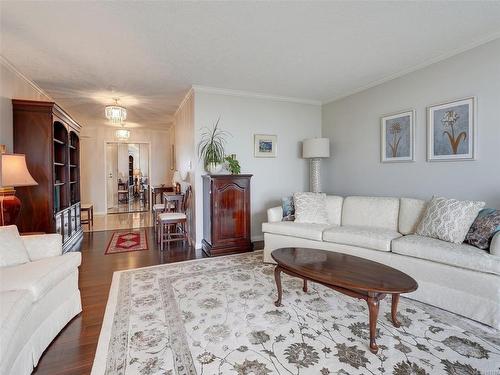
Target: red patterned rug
(122, 242)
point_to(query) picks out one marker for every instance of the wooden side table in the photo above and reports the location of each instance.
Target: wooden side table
(159, 189)
(89, 208)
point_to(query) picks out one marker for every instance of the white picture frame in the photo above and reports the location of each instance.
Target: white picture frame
(265, 145)
(397, 137)
(452, 130)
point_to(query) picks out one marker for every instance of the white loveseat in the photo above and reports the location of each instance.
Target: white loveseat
(456, 277)
(37, 299)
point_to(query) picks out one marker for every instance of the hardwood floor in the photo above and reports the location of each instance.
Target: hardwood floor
(72, 352)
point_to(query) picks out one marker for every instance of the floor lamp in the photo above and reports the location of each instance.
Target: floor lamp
(315, 149)
(13, 173)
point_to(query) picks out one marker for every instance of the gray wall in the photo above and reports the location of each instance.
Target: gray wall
(353, 125)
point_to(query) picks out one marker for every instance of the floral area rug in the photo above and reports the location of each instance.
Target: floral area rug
(123, 242)
(217, 316)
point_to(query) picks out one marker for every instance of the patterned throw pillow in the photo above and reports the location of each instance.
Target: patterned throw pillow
(310, 208)
(288, 208)
(448, 219)
(486, 225)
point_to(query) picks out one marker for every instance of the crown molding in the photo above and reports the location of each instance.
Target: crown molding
(14, 70)
(183, 101)
(417, 67)
(255, 95)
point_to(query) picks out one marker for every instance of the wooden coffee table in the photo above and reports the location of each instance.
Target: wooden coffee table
(356, 277)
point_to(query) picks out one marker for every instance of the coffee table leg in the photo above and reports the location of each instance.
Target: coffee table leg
(373, 305)
(304, 288)
(394, 310)
(277, 278)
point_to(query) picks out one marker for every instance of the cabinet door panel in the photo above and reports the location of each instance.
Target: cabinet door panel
(59, 225)
(67, 225)
(230, 210)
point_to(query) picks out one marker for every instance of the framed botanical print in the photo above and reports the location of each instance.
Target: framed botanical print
(265, 146)
(398, 137)
(451, 130)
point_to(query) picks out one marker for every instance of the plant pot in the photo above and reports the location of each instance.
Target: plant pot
(214, 168)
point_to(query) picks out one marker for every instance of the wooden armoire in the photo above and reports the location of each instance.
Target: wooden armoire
(226, 214)
(50, 139)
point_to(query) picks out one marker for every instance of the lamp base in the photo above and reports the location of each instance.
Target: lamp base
(315, 177)
(10, 205)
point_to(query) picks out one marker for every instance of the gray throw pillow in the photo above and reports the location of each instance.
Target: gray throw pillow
(288, 208)
(448, 219)
(485, 226)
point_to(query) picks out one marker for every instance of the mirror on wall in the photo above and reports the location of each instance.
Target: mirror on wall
(127, 177)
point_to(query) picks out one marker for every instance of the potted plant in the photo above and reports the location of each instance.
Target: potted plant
(211, 148)
(232, 165)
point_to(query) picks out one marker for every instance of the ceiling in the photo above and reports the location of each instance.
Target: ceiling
(150, 53)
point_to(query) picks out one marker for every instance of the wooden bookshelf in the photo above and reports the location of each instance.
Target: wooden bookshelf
(50, 139)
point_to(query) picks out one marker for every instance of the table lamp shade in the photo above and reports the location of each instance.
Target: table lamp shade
(316, 148)
(14, 171)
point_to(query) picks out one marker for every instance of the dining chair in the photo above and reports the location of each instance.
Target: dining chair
(172, 225)
(159, 208)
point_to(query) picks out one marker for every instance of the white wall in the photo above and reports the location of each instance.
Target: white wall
(93, 176)
(244, 116)
(353, 125)
(13, 85)
(185, 152)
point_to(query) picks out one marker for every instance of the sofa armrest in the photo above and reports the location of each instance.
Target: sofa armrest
(495, 245)
(41, 246)
(275, 214)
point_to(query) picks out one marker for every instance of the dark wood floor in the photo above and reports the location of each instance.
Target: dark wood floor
(72, 352)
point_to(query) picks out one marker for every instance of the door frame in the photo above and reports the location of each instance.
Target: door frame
(106, 167)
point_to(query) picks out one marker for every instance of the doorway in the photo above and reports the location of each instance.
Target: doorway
(127, 177)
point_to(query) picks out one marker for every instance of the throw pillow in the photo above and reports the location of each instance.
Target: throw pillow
(288, 208)
(12, 249)
(448, 219)
(310, 208)
(486, 225)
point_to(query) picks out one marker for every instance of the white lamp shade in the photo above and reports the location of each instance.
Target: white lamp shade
(316, 148)
(14, 171)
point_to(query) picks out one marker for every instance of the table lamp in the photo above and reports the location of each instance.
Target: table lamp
(13, 173)
(315, 149)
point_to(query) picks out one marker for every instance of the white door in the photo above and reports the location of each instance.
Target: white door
(111, 174)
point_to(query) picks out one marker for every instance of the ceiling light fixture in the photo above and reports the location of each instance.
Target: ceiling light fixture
(122, 134)
(115, 113)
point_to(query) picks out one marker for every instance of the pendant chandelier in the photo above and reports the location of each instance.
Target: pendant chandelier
(115, 113)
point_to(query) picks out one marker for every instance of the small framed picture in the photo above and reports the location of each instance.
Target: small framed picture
(397, 136)
(265, 146)
(451, 130)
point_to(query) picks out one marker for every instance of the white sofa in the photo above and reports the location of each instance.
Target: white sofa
(37, 299)
(459, 278)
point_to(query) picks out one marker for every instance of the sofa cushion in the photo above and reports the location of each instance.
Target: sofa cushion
(458, 255)
(334, 209)
(12, 249)
(368, 237)
(375, 212)
(43, 245)
(14, 306)
(448, 219)
(310, 208)
(294, 229)
(410, 212)
(41, 276)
